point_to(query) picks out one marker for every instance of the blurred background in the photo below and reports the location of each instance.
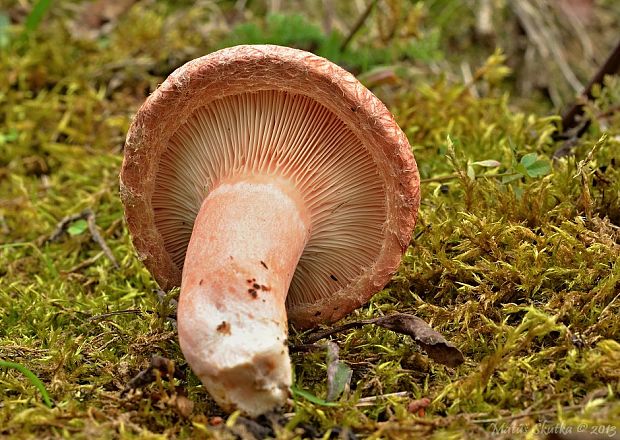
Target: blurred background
(552, 47)
(542, 52)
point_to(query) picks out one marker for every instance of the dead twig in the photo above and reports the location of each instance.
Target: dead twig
(64, 223)
(468, 78)
(435, 345)
(358, 24)
(583, 172)
(83, 264)
(541, 34)
(94, 232)
(4, 227)
(457, 176)
(159, 367)
(528, 413)
(371, 400)
(90, 218)
(115, 313)
(322, 334)
(570, 119)
(484, 21)
(304, 348)
(329, 13)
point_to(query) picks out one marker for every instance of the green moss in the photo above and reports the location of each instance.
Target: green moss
(522, 275)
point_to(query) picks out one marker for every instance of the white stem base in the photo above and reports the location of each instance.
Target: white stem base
(246, 243)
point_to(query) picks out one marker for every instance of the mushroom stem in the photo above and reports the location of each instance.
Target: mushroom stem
(247, 240)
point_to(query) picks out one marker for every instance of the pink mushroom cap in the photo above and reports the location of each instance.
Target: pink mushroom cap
(275, 111)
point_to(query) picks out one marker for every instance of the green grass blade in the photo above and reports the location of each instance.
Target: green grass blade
(298, 392)
(32, 378)
(36, 15)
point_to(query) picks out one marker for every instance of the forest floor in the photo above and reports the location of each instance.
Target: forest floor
(515, 258)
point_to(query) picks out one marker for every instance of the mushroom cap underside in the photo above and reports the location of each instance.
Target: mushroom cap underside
(275, 111)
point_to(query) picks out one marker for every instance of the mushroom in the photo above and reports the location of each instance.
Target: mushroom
(272, 187)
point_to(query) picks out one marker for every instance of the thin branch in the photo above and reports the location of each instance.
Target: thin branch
(92, 227)
(456, 176)
(116, 313)
(4, 227)
(90, 218)
(369, 401)
(322, 334)
(358, 24)
(527, 413)
(609, 67)
(547, 45)
(304, 348)
(84, 263)
(64, 223)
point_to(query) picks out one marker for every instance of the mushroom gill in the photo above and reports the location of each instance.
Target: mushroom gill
(278, 133)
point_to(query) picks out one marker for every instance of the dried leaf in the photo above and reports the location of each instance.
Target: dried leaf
(435, 345)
